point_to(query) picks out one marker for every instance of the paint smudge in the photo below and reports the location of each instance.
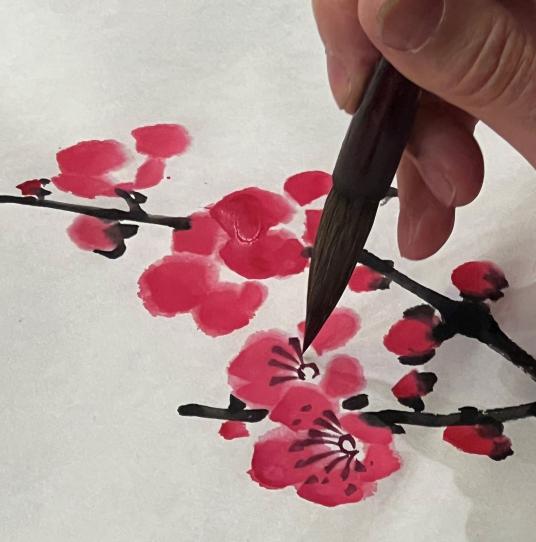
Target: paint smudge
(308, 186)
(340, 327)
(231, 430)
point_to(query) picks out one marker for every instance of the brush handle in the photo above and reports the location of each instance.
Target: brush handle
(377, 135)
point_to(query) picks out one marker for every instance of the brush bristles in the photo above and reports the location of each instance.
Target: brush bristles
(344, 227)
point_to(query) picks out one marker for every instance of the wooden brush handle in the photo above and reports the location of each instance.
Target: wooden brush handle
(377, 135)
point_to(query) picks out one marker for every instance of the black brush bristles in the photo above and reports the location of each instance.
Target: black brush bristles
(343, 230)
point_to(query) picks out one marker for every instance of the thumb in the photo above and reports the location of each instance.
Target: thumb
(476, 54)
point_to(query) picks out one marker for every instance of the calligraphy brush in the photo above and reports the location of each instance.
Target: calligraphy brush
(365, 167)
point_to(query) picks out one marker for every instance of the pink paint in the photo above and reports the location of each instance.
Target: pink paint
(228, 307)
(89, 233)
(407, 387)
(480, 280)
(480, 440)
(364, 279)
(231, 430)
(343, 377)
(83, 185)
(149, 174)
(92, 158)
(203, 238)
(307, 186)
(246, 215)
(312, 221)
(328, 459)
(341, 326)
(276, 254)
(412, 336)
(161, 140)
(176, 284)
(30, 188)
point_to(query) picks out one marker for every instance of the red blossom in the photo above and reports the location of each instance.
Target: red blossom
(329, 459)
(411, 387)
(307, 186)
(275, 254)
(342, 325)
(480, 439)
(479, 280)
(231, 430)
(246, 215)
(149, 174)
(365, 279)
(412, 337)
(269, 364)
(203, 238)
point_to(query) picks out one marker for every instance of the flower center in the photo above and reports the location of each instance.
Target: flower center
(291, 365)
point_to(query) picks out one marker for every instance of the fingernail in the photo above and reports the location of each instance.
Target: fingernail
(444, 190)
(339, 80)
(408, 25)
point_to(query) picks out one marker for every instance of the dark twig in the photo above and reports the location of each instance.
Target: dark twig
(175, 222)
(202, 411)
(469, 318)
(466, 416)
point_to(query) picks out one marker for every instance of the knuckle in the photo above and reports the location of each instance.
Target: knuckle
(495, 69)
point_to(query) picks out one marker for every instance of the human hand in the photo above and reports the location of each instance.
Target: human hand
(477, 61)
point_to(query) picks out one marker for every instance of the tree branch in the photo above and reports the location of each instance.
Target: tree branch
(203, 411)
(133, 215)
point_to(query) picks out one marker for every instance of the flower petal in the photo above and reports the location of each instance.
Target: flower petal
(176, 284)
(84, 186)
(246, 215)
(276, 254)
(272, 465)
(161, 140)
(340, 327)
(412, 336)
(264, 368)
(229, 307)
(343, 377)
(307, 186)
(230, 430)
(92, 158)
(380, 461)
(302, 406)
(149, 174)
(203, 237)
(479, 280)
(411, 387)
(364, 431)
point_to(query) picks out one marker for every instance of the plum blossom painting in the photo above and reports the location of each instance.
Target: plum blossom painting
(164, 169)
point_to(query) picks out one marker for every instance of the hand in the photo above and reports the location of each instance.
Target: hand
(477, 61)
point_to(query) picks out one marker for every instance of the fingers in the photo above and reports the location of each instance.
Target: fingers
(424, 224)
(349, 54)
(446, 154)
(476, 54)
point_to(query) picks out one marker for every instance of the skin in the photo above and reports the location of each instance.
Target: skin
(478, 64)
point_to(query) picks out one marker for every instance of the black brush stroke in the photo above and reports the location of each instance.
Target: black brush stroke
(136, 215)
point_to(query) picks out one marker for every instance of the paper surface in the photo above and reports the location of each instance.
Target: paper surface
(93, 447)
